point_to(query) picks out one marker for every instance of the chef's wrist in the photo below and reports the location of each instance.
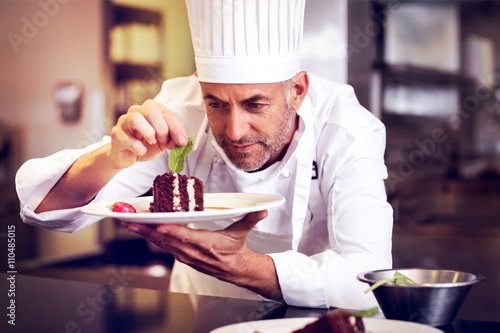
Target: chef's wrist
(258, 274)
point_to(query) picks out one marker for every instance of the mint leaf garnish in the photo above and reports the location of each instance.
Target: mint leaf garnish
(177, 156)
(365, 313)
(402, 279)
(397, 278)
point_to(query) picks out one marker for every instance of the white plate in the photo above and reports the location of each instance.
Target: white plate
(235, 205)
(290, 324)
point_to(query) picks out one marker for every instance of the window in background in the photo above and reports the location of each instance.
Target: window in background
(425, 35)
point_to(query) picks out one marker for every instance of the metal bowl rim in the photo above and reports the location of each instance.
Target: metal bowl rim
(478, 278)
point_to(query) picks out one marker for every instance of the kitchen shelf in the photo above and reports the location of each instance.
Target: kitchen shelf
(127, 71)
(136, 65)
(418, 76)
(125, 15)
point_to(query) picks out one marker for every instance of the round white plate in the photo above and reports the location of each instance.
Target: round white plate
(218, 206)
(290, 324)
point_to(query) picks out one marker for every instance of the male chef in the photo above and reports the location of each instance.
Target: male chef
(260, 125)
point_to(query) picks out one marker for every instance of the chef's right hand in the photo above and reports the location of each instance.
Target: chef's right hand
(144, 133)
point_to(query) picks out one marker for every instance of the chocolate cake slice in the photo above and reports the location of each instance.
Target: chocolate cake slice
(173, 192)
(336, 321)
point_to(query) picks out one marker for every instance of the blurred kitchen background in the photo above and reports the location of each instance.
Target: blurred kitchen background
(429, 69)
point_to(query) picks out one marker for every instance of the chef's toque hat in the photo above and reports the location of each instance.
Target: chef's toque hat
(246, 41)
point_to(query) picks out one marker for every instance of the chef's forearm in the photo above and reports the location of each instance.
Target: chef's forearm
(81, 182)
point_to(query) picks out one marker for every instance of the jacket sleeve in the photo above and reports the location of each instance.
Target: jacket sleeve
(36, 177)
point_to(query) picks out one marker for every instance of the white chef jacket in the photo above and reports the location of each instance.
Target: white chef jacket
(336, 221)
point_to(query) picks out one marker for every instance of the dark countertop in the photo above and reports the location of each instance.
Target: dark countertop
(55, 305)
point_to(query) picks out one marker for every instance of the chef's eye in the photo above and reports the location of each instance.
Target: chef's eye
(214, 105)
(254, 106)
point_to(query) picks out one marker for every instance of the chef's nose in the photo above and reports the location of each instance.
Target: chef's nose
(237, 124)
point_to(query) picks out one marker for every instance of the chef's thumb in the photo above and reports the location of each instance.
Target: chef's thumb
(247, 223)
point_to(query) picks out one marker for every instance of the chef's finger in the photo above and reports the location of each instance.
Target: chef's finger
(169, 131)
(155, 117)
(138, 228)
(149, 232)
(177, 230)
(177, 132)
(123, 141)
(137, 125)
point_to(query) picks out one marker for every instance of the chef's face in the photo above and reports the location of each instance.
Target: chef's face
(252, 123)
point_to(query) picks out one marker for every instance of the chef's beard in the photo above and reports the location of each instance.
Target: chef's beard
(269, 146)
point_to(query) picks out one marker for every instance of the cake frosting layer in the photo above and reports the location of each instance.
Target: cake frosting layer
(173, 192)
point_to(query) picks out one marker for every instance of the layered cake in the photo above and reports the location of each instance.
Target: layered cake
(173, 192)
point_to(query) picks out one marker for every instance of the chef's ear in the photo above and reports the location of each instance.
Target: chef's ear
(196, 73)
(299, 89)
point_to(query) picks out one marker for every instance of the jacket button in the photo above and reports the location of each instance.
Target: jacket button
(287, 174)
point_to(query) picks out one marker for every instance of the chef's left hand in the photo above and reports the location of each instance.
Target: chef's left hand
(221, 253)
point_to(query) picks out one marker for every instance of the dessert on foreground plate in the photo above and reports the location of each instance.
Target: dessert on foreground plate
(336, 321)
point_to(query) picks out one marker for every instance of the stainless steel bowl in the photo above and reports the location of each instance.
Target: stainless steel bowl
(434, 300)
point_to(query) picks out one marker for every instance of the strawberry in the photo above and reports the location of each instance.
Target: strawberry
(122, 207)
